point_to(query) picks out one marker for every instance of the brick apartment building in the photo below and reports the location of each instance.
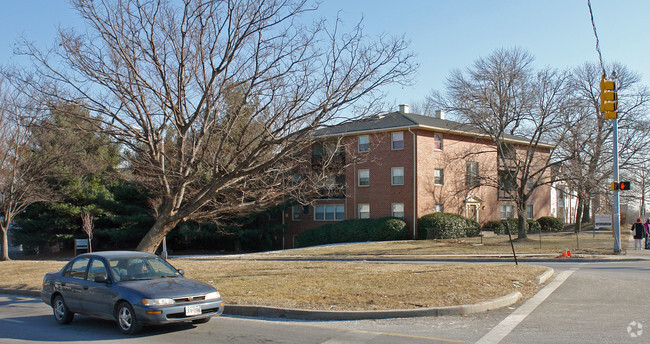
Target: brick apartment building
(407, 165)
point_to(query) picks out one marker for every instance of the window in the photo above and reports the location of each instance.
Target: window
(507, 184)
(438, 176)
(333, 212)
(364, 143)
(77, 269)
(364, 211)
(296, 213)
(364, 177)
(97, 269)
(398, 140)
(471, 175)
(529, 211)
(397, 210)
(397, 175)
(437, 142)
(507, 211)
(439, 208)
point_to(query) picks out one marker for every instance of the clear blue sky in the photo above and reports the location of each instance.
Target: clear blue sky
(444, 34)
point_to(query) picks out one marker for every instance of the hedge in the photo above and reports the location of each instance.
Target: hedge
(357, 230)
(499, 227)
(447, 226)
(551, 224)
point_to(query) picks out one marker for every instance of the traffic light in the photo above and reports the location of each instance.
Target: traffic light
(608, 98)
(620, 185)
(624, 185)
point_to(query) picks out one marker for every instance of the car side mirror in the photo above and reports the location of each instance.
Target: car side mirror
(181, 271)
(102, 279)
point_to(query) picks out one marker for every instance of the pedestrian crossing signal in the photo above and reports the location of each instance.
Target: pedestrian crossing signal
(620, 185)
(624, 186)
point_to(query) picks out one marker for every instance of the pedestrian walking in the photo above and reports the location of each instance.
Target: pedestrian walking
(646, 231)
(638, 230)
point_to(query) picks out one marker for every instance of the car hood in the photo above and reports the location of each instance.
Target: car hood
(168, 287)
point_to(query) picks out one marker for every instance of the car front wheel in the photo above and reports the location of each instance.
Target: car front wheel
(62, 314)
(126, 319)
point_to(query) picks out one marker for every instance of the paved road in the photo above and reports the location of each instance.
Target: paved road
(597, 302)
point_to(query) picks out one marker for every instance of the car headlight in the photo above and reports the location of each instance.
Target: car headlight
(212, 296)
(158, 302)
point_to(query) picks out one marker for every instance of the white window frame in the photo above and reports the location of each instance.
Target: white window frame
(338, 211)
(394, 175)
(364, 171)
(363, 211)
(530, 211)
(441, 176)
(394, 210)
(393, 141)
(505, 210)
(364, 147)
(438, 140)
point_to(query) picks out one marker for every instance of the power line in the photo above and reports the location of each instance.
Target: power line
(593, 25)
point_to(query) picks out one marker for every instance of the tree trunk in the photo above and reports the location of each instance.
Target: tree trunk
(579, 215)
(154, 237)
(586, 211)
(5, 244)
(521, 221)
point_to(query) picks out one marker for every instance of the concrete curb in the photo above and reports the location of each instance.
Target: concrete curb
(303, 314)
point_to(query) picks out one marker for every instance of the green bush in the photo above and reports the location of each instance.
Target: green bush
(551, 224)
(446, 226)
(384, 229)
(499, 227)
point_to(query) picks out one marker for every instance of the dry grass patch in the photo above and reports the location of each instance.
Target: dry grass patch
(360, 286)
(330, 285)
(553, 243)
(26, 274)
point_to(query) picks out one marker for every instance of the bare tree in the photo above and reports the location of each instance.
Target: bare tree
(22, 177)
(519, 109)
(215, 100)
(589, 144)
(87, 227)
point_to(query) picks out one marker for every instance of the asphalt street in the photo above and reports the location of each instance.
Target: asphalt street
(585, 302)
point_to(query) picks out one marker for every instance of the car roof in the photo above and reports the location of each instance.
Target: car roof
(117, 254)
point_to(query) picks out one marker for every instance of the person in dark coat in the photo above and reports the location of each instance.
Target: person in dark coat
(638, 230)
(646, 225)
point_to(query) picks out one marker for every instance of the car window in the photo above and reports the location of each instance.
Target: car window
(137, 268)
(77, 269)
(97, 269)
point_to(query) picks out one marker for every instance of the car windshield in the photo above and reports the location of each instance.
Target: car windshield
(141, 268)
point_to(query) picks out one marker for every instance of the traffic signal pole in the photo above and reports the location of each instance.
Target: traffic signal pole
(617, 208)
(609, 108)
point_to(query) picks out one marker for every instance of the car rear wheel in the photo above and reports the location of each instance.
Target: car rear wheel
(62, 314)
(126, 319)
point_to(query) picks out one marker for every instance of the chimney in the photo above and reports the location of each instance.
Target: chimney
(404, 108)
(440, 114)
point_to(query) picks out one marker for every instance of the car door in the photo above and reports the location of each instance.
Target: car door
(71, 284)
(98, 297)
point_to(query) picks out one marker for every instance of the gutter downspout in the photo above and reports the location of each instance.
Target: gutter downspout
(415, 207)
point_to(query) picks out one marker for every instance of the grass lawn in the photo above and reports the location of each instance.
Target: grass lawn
(549, 243)
(330, 285)
(258, 279)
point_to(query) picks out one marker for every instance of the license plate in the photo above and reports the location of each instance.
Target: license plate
(192, 310)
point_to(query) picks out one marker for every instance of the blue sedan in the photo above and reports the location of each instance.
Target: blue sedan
(133, 288)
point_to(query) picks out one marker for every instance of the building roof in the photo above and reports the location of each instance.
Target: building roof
(405, 120)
